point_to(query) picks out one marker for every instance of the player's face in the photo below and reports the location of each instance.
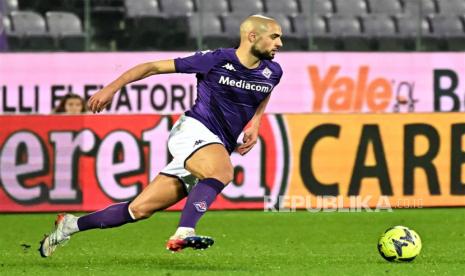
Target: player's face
(73, 106)
(268, 43)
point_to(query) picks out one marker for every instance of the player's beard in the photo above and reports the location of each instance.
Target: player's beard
(261, 54)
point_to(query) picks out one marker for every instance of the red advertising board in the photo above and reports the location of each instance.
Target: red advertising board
(83, 163)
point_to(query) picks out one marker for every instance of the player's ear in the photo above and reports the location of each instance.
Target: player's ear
(252, 37)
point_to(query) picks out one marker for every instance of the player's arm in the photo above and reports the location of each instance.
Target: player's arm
(103, 97)
(257, 118)
(251, 133)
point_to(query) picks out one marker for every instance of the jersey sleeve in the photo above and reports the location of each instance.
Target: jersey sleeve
(200, 62)
(280, 73)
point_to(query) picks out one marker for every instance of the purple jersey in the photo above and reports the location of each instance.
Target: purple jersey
(228, 94)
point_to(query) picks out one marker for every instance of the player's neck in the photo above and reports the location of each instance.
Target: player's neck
(247, 59)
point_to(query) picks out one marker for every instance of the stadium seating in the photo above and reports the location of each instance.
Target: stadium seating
(66, 28)
(219, 7)
(448, 32)
(12, 39)
(347, 31)
(209, 25)
(177, 7)
(451, 7)
(6, 24)
(386, 25)
(142, 8)
(380, 30)
(390, 7)
(42, 7)
(9, 6)
(175, 29)
(305, 27)
(409, 29)
(288, 7)
(153, 24)
(377, 25)
(231, 21)
(317, 7)
(140, 18)
(29, 32)
(351, 7)
(107, 17)
(247, 7)
(413, 7)
(314, 29)
(409, 26)
(28, 23)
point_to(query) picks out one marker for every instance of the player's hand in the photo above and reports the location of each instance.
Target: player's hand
(100, 99)
(249, 140)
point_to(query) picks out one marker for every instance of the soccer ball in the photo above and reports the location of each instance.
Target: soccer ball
(399, 244)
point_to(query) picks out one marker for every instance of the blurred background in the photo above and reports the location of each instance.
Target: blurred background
(350, 67)
(367, 118)
(168, 25)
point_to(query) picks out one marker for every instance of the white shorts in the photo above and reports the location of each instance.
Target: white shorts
(186, 137)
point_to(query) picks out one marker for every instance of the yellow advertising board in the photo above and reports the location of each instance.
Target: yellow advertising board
(404, 160)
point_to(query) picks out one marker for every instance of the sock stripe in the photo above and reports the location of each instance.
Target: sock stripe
(131, 214)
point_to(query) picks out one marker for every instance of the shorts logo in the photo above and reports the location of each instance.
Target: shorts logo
(198, 142)
(200, 206)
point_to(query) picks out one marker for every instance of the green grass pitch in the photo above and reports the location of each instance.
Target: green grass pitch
(246, 242)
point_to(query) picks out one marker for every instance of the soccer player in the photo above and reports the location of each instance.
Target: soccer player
(233, 89)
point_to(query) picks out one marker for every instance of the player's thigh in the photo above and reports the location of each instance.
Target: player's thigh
(160, 194)
(211, 161)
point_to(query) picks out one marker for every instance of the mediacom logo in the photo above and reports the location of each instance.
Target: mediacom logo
(339, 93)
(247, 85)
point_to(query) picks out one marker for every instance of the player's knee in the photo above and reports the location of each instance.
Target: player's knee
(225, 174)
(140, 212)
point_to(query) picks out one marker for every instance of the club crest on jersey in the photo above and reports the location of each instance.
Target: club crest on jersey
(229, 66)
(267, 72)
(200, 206)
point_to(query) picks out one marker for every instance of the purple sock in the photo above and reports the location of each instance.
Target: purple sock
(200, 198)
(112, 216)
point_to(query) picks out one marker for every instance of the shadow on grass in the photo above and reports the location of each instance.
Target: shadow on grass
(154, 262)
